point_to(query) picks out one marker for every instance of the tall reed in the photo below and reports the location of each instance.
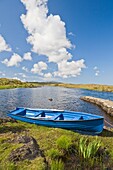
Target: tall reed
(88, 149)
(57, 165)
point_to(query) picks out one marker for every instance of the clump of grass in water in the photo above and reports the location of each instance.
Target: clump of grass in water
(57, 165)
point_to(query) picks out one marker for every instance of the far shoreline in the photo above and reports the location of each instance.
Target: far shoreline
(12, 84)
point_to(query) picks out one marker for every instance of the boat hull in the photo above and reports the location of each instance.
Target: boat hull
(92, 125)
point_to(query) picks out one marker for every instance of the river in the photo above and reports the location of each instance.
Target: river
(62, 98)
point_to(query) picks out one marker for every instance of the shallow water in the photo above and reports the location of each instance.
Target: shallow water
(63, 98)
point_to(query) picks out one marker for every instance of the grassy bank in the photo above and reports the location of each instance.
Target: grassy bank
(11, 83)
(61, 149)
(96, 87)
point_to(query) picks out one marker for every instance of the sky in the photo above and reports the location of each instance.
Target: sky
(68, 41)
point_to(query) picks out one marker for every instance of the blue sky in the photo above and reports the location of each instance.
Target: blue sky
(53, 40)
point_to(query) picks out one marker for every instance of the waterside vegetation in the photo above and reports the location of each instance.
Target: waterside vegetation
(12, 83)
(25, 146)
(6, 83)
(96, 87)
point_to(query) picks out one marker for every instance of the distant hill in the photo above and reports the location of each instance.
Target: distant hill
(6, 81)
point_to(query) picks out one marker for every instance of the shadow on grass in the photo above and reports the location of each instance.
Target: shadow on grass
(13, 129)
(106, 133)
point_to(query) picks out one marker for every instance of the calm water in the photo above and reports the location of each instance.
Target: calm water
(63, 98)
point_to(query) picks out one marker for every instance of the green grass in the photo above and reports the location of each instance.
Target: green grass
(64, 143)
(88, 149)
(57, 165)
(60, 147)
(96, 87)
(54, 154)
(11, 83)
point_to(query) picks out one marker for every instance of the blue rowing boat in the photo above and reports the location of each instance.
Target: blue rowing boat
(60, 119)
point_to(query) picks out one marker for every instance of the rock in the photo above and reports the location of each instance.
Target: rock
(29, 150)
(23, 139)
(50, 99)
(111, 113)
(106, 105)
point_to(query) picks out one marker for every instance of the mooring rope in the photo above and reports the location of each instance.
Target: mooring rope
(108, 123)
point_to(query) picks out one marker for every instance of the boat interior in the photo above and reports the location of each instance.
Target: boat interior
(53, 115)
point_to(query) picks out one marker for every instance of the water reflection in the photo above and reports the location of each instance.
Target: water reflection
(63, 98)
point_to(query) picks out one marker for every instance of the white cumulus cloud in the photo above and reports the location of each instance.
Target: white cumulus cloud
(47, 35)
(69, 69)
(2, 74)
(25, 68)
(13, 61)
(48, 75)
(3, 45)
(20, 74)
(97, 71)
(16, 59)
(16, 78)
(70, 33)
(95, 68)
(27, 56)
(39, 67)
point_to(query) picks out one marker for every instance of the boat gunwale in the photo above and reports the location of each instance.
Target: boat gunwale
(63, 111)
(101, 118)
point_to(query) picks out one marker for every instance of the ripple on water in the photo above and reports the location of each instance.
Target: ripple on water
(63, 98)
